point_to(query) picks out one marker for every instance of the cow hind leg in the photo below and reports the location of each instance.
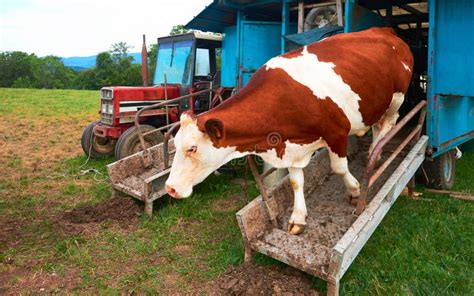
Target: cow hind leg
(340, 167)
(297, 222)
(388, 120)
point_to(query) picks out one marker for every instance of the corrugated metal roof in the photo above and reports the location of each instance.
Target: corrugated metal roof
(220, 14)
(214, 18)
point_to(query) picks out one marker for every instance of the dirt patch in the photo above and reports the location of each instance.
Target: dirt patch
(33, 147)
(229, 204)
(120, 211)
(250, 279)
(19, 280)
(12, 233)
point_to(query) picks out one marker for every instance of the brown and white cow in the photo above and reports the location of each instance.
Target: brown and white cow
(297, 103)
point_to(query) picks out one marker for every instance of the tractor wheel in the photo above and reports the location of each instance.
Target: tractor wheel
(129, 142)
(441, 170)
(96, 147)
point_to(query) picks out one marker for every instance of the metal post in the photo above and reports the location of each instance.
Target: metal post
(166, 99)
(340, 18)
(301, 17)
(285, 20)
(144, 63)
(261, 187)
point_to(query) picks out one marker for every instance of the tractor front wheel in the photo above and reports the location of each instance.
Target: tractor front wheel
(96, 147)
(441, 170)
(129, 142)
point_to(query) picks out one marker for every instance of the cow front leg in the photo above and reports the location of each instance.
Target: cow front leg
(340, 167)
(297, 222)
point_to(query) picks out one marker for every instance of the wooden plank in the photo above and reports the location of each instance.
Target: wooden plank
(301, 17)
(308, 6)
(340, 19)
(357, 235)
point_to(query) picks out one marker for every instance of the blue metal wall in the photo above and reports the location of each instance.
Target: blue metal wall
(260, 42)
(450, 120)
(230, 57)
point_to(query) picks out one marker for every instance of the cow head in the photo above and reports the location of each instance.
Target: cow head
(196, 157)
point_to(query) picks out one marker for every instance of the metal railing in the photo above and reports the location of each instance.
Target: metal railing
(369, 176)
(171, 127)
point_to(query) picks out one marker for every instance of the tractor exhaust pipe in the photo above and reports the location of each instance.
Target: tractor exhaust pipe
(144, 63)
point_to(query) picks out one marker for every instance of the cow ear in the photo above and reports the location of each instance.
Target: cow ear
(214, 129)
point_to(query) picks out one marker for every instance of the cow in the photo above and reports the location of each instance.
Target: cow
(299, 102)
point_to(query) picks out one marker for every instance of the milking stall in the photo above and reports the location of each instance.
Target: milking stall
(436, 117)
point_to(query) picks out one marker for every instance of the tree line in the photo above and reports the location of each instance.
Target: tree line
(114, 67)
(21, 70)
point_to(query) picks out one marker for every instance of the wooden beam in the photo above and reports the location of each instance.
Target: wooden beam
(454, 194)
(301, 17)
(308, 6)
(340, 19)
(409, 9)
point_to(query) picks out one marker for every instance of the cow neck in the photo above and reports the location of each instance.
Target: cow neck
(247, 119)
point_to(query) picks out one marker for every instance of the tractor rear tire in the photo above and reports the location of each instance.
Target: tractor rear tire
(96, 147)
(441, 171)
(129, 142)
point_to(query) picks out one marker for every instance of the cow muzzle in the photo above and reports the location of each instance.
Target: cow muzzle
(171, 192)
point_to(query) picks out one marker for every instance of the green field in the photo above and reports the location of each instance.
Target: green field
(422, 247)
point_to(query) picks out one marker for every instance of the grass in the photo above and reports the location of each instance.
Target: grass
(421, 247)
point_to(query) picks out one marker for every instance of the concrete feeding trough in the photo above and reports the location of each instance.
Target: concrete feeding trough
(334, 234)
(132, 176)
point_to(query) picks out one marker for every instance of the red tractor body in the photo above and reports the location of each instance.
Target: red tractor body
(119, 105)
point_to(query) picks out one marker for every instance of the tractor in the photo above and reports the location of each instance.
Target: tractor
(185, 64)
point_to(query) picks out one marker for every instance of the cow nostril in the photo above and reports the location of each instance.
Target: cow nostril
(171, 191)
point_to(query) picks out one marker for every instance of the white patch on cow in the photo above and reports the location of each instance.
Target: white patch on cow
(393, 47)
(323, 81)
(406, 67)
(340, 167)
(296, 155)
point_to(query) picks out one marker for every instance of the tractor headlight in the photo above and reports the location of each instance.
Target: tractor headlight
(107, 99)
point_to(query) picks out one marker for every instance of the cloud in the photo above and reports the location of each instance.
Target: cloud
(86, 27)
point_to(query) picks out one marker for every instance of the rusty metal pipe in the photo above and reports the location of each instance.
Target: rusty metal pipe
(166, 155)
(137, 116)
(378, 148)
(268, 172)
(261, 187)
(392, 156)
(158, 129)
(368, 179)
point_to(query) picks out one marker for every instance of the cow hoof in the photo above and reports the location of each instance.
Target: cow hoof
(353, 200)
(296, 228)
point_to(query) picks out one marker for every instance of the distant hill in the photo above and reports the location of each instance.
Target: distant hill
(83, 63)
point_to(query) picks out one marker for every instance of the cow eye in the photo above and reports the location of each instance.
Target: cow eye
(191, 150)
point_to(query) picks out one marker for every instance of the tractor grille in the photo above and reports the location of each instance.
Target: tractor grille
(107, 106)
(107, 118)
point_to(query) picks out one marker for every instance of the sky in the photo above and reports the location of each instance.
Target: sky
(86, 27)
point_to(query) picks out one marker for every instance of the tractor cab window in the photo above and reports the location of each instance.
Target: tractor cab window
(203, 66)
(175, 60)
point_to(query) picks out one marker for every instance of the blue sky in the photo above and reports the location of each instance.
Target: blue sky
(85, 27)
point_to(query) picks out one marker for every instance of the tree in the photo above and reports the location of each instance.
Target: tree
(16, 66)
(178, 29)
(50, 72)
(120, 51)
